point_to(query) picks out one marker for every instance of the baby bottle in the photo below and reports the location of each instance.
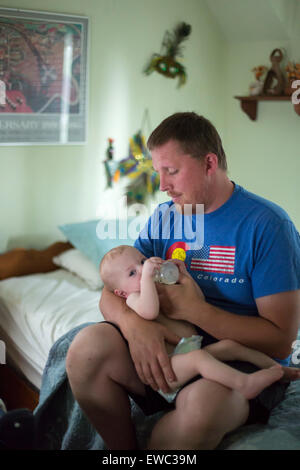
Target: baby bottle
(167, 274)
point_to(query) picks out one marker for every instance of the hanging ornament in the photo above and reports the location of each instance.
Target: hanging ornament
(137, 167)
(110, 149)
(109, 163)
(166, 63)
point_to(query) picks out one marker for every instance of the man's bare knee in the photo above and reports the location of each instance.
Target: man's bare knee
(91, 347)
(209, 411)
(182, 430)
(97, 355)
(100, 372)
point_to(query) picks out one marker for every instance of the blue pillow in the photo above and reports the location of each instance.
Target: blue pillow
(96, 237)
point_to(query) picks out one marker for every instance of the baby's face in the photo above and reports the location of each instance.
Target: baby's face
(128, 268)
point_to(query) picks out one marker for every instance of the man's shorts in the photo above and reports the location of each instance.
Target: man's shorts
(260, 407)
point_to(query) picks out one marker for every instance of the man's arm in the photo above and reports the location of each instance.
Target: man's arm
(272, 332)
(146, 341)
(114, 308)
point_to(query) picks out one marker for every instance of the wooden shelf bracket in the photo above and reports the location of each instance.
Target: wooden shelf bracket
(249, 103)
(250, 108)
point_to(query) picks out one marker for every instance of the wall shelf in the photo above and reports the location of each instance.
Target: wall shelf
(249, 103)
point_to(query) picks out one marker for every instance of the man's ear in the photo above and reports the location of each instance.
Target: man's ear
(121, 293)
(211, 161)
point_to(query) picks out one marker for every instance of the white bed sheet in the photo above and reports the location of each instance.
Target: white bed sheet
(36, 310)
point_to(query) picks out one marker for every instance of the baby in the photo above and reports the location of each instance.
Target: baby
(129, 274)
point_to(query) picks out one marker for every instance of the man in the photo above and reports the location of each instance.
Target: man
(243, 285)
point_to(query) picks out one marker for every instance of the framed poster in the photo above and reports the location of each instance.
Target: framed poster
(43, 78)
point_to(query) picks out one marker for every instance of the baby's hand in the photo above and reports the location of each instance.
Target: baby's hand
(151, 265)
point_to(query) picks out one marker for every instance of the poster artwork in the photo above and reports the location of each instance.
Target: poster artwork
(42, 78)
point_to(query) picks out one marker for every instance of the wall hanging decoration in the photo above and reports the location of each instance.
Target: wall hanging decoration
(166, 62)
(270, 85)
(137, 167)
(43, 65)
(144, 181)
(110, 164)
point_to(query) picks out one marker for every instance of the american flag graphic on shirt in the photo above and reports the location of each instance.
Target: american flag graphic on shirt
(216, 259)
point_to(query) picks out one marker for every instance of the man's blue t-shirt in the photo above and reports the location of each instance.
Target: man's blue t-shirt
(250, 249)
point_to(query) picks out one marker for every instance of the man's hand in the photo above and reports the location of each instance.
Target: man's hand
(176, 299)
(147, 349)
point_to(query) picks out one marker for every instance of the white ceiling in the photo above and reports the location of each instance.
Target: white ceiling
(257, 20)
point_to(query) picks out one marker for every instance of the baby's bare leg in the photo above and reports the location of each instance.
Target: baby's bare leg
(186, 366)
(228, 350)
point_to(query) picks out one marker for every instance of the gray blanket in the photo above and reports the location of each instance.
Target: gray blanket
(62, 425)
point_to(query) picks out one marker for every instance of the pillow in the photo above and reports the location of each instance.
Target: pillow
(21, 261)
(86, 236)
(77, 263)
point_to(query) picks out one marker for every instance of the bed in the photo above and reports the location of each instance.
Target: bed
(36, 310)
(46, 297)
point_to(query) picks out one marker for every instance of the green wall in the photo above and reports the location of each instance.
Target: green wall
(264, 154)
(44, 186)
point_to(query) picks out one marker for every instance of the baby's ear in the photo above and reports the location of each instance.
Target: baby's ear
(120, 293)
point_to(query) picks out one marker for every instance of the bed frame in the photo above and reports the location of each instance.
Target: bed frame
(15, 390)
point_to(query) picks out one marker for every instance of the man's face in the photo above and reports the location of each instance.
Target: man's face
(181, 176)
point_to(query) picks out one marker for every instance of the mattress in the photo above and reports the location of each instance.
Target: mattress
(36, 310)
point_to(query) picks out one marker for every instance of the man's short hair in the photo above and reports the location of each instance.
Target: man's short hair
(196, 135)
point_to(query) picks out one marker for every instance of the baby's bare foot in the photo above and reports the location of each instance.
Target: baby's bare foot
(290, 374)
(258, 381)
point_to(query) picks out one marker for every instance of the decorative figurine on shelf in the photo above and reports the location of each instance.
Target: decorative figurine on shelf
(274, 83)
(138, 168)
(109, 163)
(293, 73)
(257, 86)
(166, 63)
